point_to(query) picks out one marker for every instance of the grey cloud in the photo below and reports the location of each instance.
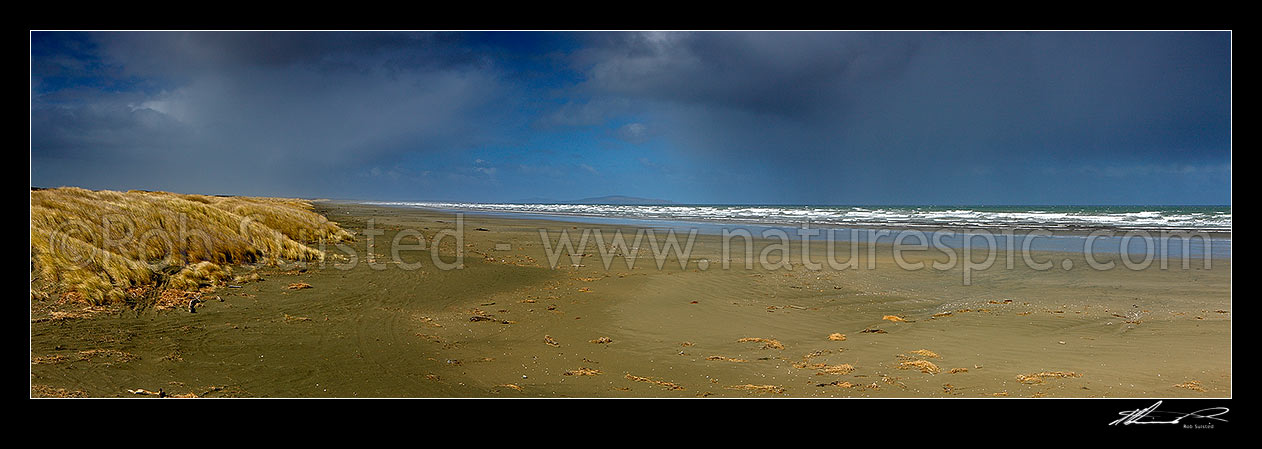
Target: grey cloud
(182, 54)
(917, 110)
(790, 73)
(293, 110)
(814, 117)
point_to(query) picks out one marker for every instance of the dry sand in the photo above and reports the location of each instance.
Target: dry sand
(508, 326)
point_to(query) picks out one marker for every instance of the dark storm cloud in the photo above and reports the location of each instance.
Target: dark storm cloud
(901, 112)
(1079, 90)
(782, 73)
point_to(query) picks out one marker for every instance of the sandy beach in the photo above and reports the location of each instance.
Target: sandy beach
(507, 325)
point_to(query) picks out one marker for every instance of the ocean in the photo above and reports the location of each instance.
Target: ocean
(1052, 218)
(1070, 226)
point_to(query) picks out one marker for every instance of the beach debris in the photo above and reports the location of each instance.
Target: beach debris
(173, 356)
(1006, 301)
(602, 340)
(957, 370)
(481, 229)
(584, 371)
(839, 384)
(926, 353)
(45, 391)
(894, 318)
(192, 305)
(57, 315)
(824, 368)
(668, 385)
(1194, 385)
(293, 319)
(83, 356)
(924, 366)
(891, 381)
(725, 359)
(1037, 378)
(298, 286)
(551, 342)
(773, 389)
(171, 298)
(873, 330)
(767, 343)
(243, 279)
(144, 392)
(512, 386)
(1001, 394)
(814, 354)
(841, 369)
(480, 315)
(686, 344)
(835, 336)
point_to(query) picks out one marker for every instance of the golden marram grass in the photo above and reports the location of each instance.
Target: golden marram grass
(96, 245)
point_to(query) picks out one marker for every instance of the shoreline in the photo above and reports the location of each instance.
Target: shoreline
(1220, 247)
(506, 325)
(1059, 230)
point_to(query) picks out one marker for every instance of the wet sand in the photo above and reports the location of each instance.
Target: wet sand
(506, 325)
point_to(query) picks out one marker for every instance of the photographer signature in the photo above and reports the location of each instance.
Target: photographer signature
(1150, 414)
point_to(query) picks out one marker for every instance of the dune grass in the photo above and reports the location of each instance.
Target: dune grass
(103, 246)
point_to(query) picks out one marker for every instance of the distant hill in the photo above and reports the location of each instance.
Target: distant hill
(610, 199)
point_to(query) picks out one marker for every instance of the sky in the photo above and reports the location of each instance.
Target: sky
(845, 118)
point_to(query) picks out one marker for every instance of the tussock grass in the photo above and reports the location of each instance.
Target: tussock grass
(198, 275)
(100, 245)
